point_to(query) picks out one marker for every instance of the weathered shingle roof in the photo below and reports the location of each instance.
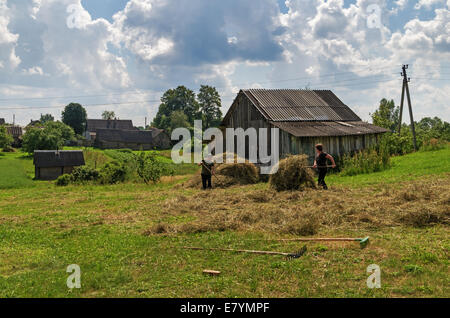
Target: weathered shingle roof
(94, 124)
(126, 136)
(322, 129)
(54, 158)
(300, 105)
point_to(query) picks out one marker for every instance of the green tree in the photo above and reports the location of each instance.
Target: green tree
(51, 137)
(46, 118)
(38, 139)
(108, 115)
(66, 132)
(179, 99)
(5, 138)
(387, 115)
(178, 119)
(434, 128)
(210, 104)
(75, 116)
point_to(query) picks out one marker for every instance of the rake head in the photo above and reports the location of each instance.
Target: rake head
(364, 242)
(297, 254)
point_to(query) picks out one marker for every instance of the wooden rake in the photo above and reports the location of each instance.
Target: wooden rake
(363, 242)
(297, 254)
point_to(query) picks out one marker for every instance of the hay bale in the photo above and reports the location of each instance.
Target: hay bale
(229, 174)
(292, 174)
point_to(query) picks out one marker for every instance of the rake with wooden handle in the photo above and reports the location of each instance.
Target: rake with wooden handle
(363, 242)
(289, 255)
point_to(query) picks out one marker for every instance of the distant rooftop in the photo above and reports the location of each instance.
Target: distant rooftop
(58, 158)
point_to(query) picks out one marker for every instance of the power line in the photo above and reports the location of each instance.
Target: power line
(144, 93)
(339, 84)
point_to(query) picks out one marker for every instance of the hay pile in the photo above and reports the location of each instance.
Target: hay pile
(229, 174)
(292, 174)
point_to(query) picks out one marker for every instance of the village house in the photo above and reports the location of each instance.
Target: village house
(304, 118)
(132, 139)
(93, 125)
(50, 164)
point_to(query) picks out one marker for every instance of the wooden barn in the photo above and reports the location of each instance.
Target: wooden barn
(50, 164)
(132, 139)
(305, 118)
(93, 125)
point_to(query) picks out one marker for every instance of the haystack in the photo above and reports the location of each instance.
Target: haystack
(292, 174)
(229, 174)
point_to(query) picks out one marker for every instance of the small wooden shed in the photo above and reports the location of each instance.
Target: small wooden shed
(304, 118)
(50, 164)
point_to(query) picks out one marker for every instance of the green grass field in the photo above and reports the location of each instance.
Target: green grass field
(128, 238)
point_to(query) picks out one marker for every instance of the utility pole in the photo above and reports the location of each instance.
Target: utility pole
(405, 88)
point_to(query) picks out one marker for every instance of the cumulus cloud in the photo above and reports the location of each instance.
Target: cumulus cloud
(427, 4)
(198, 32)
(56, 47)
(74, 55)
(8, 40)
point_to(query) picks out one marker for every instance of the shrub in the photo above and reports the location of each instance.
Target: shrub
(64, 180)
(113, 172)
(5, 138)
(8, 149)
(433, 144)
(85, 173)
(292, 174)
(149, 168)
(365, 161)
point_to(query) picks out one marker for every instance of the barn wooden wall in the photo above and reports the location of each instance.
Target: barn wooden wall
(246, 115)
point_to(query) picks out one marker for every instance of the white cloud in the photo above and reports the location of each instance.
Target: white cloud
(427, 4)
(8, 40)
(153, 45)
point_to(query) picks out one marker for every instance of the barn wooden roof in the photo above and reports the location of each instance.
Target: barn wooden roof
(94, 124)
(300, 105)
(55, 158)
(306, 113)
(125, 136)
(323, 129)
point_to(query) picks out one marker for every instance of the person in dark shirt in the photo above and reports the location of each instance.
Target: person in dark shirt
(321, 164)
(207, 171)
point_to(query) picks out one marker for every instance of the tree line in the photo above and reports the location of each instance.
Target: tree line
(179, 108)
(430, 132)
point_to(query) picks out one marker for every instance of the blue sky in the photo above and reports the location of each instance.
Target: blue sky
(122, 55)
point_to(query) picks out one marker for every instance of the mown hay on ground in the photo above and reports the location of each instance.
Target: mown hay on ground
(258, 209)
(292, 174)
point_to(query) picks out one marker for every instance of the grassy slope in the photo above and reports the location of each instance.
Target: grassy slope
(17, 171)
(404, 168)
(43, 229)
